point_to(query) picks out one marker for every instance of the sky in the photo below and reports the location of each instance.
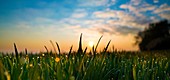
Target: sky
(32, 24)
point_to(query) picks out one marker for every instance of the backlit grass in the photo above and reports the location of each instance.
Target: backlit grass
(82, 65)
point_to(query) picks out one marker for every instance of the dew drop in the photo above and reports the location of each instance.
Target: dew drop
(38, 57)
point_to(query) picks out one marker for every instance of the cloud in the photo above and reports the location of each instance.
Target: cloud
(147, 7)
(163, 11)
(113, 14)
(135, 2)
(130, 19)
(125, 6)
(93, 3)
(111, 2)
(107, 14)
(127, 30)
(121, 17)
(155, 1)
(109, 22)
(115, 29)
(131, 9)
(96, 3)
(165, 15)
(79, 13)
(129, 26)
(138, 10)
(124, 22)
(162, 8)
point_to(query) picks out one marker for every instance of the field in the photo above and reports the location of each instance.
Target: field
(76, 66)
(82, 65)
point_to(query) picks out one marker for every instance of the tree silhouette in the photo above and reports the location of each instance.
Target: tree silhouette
(155, 37)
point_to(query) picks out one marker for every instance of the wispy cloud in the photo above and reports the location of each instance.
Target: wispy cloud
(129, 19)
(79, 13)
(163, 11)
(93, 3)
(104, 14)
(155, 1)
(162, 8)
(138, 10)
(135, 2)
(165, 15)
(96, 3)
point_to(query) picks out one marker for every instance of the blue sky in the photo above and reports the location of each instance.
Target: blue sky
(32, 23)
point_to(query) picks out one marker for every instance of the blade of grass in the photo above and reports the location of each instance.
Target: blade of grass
(108, 73)
(105, 49)
(26, 51)
(134, 72)
(85, 51)
(71, 49)
(58, 47)
(93, 50)
(2, 71)
(98, 43)
(46, 48)
(80, 50)
(16, 51)
(53, 46)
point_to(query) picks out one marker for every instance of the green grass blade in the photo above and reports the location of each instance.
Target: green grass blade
(93, 51)
(134, 72)
(46, 48)
(85, 50)
(105, 49)
(58, 47)
(16, 50)
(80, 50)
(71, 49)
(53, 46)
(98, 43)
(26, 51)
(2, 76)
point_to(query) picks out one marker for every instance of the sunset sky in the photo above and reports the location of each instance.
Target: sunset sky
(32, 24)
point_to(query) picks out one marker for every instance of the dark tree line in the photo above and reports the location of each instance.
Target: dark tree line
(155, 37)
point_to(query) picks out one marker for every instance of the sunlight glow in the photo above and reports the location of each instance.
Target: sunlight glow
(91, 44)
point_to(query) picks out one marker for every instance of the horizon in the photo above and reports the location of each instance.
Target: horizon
(32, 24)
(50, 47)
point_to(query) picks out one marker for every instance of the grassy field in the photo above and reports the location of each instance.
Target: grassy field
(82, 65)
(76, 66)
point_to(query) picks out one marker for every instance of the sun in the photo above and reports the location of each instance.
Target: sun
(91, 43)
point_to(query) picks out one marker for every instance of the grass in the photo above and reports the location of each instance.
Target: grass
(82, 65)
